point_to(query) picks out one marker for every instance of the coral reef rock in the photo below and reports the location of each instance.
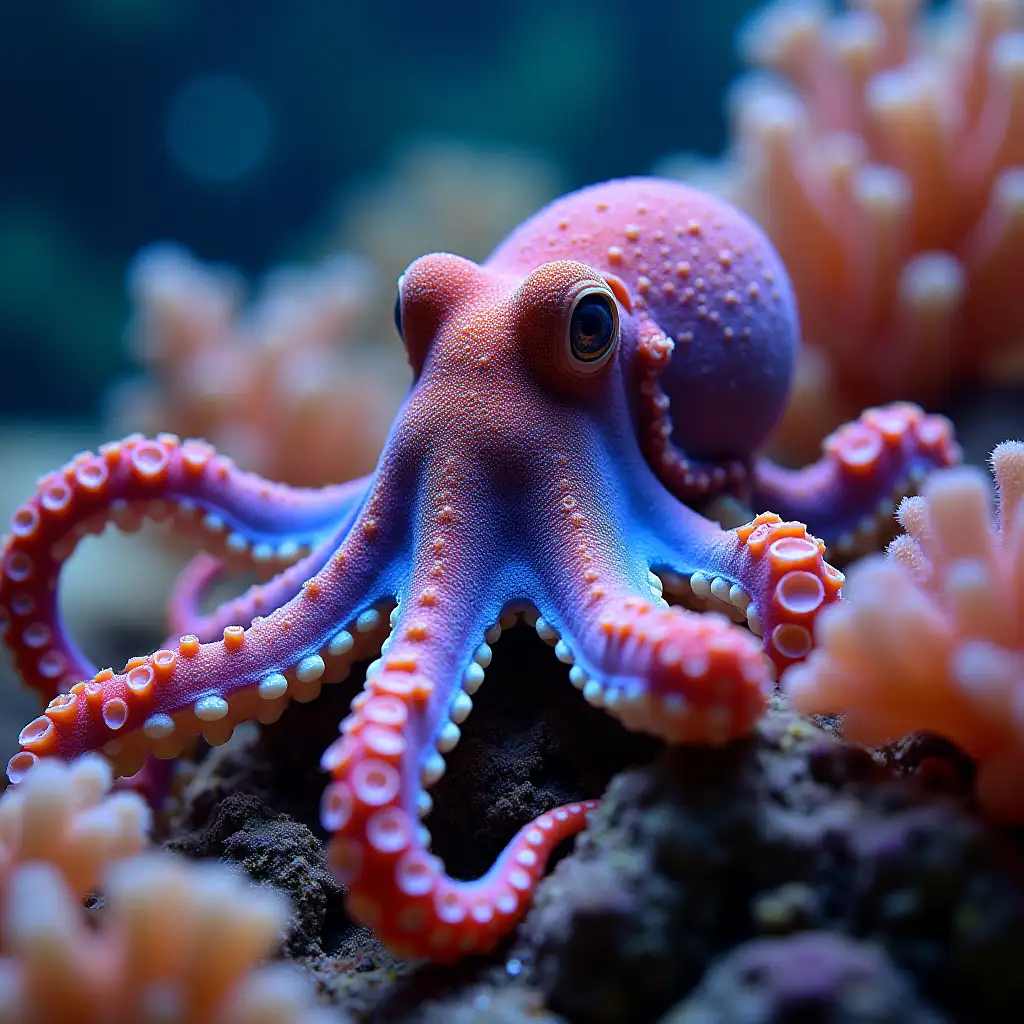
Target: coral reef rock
(791, 830)
(810, 977)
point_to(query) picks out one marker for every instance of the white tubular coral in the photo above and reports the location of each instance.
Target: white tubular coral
(931, 639)
(176, 943)
(883, 151)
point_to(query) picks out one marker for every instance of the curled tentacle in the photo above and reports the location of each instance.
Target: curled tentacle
(196, 580)
(689, 479)
(679, 675)
(126, 482)
(769, 573)
(159, 701)
(849, 496)
(391, 752)
(378, 850)
(392, 748)
(203, 572)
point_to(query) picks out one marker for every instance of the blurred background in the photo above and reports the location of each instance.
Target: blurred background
(255, 131)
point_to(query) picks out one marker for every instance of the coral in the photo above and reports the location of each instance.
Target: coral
(624, 352)
(176, 942)
(65, 818)
(285, 386)
(882, 149)
(172, 942)
(932, 638)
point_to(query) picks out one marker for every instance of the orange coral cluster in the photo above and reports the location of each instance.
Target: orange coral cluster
(285, 386)
(931, 639)
(176, 942)
(883, 151)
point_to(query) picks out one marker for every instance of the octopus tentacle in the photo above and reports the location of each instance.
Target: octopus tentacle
(682, 676)
(769, 573)
(679, 675)
(849, 496)
(159, 701)
(185, 613)
(124, 483)
(392, 746)
(202, 573)
(184, 607)
(389, 754)
(689, 479)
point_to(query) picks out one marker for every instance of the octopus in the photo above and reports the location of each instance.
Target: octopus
(577, 398)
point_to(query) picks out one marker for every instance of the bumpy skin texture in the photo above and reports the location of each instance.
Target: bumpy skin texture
(516, 479)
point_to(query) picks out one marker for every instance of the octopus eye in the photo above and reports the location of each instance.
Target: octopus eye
(593, 329)
(398, 308)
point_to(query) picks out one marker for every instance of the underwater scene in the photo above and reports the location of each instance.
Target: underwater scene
(512, 513)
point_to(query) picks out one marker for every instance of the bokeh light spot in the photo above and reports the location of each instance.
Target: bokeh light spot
(219, 128)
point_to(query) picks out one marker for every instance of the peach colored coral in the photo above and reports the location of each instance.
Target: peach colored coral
(931, 639)
(66, 817)
(882, 150)
(176, 942)
(286, 386)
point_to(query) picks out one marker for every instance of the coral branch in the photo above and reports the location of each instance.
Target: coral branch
(930, 640)
(881, 149)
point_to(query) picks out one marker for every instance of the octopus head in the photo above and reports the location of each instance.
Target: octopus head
(729, 312)
(714, 336)
(560, 327)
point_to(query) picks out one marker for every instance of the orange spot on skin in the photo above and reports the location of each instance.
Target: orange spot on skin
(311, 589)
(429, 597)
(234, 637)
(417, 632)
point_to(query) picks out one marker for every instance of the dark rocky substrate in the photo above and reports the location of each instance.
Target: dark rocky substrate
(788, 878)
